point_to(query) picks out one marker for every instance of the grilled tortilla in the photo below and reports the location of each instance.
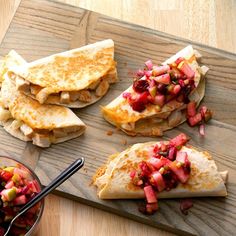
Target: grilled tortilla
(113, 180)
(75, 78)
(153, 121)
(28, 120)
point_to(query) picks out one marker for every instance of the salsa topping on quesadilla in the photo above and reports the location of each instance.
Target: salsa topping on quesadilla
(160, 84)
(166, 167)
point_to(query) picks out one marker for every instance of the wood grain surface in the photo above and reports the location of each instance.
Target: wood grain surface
(35, 35)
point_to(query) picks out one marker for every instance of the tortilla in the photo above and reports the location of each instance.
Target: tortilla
(153, 121)
(113, 181)
(28, 120)
(75, 78)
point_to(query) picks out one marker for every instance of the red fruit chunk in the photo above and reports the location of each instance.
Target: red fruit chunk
(21, 200)
(172, 153)
(186, 69)
(180, 59)
(159, 70)
(206, 113)
(163, 79)
(140, 73)
(33, 186)
(159, 100)
(138, 104)
(5, 175)
(179, 172)
(140, 86)
(126, 95)
(146, 169)
(132, 174)
(179, 140)
(176, 89)
(202, 130)
(185, 204)
(182, 157)
(9, 184)
(194, 120)
(150, 194)
(158, 181)
(149, 64)
(151, 208)
(156, 162)
(191, 109)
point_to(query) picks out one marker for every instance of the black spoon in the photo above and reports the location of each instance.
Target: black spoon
(67, 173)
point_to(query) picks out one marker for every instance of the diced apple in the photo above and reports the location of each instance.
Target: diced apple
(163, 79)
(21, 200)
(191, 109)
(8, 194)
(157, 163)
(159, 100)
(149, 64)
(159, 70)
(176, 89)
(194, 120)
(186, 69)
(179, 172)
(182, 157)
(150, 194)
(158, 180)
(179, 140)
(151, 208)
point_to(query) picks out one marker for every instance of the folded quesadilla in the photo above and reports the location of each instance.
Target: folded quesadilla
(11, 59)
(28, 120)
(159, 95)
(75, 78)
(168, 169)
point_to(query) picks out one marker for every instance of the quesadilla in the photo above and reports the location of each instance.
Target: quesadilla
(11, 59)
(171, 169)
(75, 78)
(157, 100)
(28, 120)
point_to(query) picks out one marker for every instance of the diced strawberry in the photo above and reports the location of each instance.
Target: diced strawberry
(158, 181)
(191, 109)
(151, 208)
(163, 79)
(148, 73)
(20, 200)
(33, 186)
(5, 175)
(179, 172)
(179, 140)
(159, 70)
(150, 194)
(186, 69)
(202, 130)
(172, 153)
(176, 89)
(194, 120)
(149, 64)
(159, 100)
(146, 168)
(182, 157)
(206, 113)
(178, 60)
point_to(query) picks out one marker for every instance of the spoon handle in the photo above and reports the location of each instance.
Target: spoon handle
(68, 172)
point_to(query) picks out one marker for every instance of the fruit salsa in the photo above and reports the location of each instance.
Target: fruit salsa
(17, 187)
(167, 167)
(159, 84)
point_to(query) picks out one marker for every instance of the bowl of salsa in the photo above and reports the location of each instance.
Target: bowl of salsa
(18, 185)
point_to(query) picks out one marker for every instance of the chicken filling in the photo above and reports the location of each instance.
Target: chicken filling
(40, 137)
(98, 88)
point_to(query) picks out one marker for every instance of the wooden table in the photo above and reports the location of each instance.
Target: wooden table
(208, 22)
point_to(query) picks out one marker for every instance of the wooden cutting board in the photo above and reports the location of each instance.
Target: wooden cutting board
(40, 28)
